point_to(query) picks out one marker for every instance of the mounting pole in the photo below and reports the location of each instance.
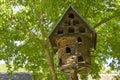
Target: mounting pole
(73, 75)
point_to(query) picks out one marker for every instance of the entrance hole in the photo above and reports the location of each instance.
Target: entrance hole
(68, 50)
(81, 30)
(71, 15)
(79, 40)
(71, 30)
(60, 32)
(80, 59)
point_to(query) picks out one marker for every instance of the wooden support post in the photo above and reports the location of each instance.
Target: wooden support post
(72, 75)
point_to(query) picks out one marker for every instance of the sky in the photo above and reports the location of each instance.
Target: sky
(2, 62)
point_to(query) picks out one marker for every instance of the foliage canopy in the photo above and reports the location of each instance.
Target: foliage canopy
(26, 24)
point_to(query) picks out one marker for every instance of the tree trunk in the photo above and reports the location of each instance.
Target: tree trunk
(51, 65)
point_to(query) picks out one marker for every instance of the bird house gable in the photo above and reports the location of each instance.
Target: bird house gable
(71, 23)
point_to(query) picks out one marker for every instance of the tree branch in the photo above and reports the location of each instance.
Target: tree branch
(103, 21)
(51, 64)
(46, 45)
(31, 33)
(49, 57)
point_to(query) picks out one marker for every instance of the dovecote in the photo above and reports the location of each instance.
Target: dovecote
(73, 39)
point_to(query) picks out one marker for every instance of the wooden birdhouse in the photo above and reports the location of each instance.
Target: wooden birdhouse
(73, 39)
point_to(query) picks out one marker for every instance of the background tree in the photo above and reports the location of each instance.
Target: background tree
(26, 24)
